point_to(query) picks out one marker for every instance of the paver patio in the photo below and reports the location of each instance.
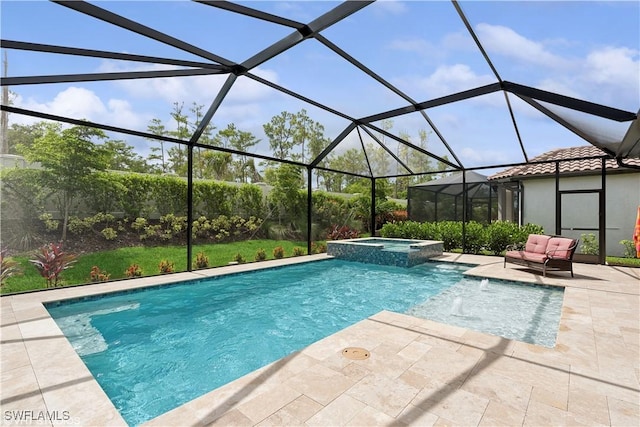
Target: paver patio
(420, 372)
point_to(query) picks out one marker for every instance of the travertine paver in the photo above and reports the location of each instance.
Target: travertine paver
(420, 372)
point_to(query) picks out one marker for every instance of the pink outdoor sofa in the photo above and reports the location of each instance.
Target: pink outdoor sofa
(542, 252)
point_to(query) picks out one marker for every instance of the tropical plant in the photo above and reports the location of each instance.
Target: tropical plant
(97, 275)
(201, 261)
(165, 267)
(239, 258)
(8, 267)
(337, 232)
(133, 270)
(278, 252)
(318, 248)
(51, 260)
(261, 255)
(298, 251)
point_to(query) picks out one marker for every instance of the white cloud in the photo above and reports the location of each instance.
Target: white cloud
(81, 103)
(613, 65)
(394, 7)
(200, 89)
(449, 79)
(505, 41)
(607, 75)
(472, 156)
(414, 45)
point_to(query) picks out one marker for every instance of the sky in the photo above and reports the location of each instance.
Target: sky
(583, 49)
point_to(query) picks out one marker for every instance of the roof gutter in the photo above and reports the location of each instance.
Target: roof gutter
(626, 165)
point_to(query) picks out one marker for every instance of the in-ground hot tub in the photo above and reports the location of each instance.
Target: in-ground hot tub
(376, 250)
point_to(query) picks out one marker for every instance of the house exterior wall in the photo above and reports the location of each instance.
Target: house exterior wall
(622, 201)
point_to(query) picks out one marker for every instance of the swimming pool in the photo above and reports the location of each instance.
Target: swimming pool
(154, 349)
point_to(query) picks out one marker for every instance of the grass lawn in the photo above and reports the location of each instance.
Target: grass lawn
(624, 262)
(115, 262)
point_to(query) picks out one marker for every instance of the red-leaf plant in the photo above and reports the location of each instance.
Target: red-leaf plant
(51, 261)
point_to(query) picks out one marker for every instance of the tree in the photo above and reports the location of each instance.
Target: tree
(216, 165)
(281, 133)
(352, 161)
(178, 154)
(205, 138)
(69, 157)
(232, 137)
(310, 133)
(24, 135)
(285, 194)
(121, 156)
(157, 153)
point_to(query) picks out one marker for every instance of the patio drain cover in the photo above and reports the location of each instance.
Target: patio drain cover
(356, 353)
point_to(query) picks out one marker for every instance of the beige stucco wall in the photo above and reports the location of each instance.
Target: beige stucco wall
(622, 201)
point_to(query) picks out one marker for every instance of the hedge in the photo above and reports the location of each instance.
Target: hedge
(494, 237)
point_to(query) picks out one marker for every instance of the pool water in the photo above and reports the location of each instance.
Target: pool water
(155, 349)
(517, 311)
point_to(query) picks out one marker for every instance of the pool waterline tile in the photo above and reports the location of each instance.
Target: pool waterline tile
(583, 365)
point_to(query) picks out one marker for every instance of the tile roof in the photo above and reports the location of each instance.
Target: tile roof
(586, 164)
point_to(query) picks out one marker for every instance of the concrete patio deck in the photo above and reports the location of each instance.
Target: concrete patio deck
(420, 372)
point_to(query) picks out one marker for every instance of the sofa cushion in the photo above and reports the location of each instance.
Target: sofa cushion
(537, 243)
(560, 247)
(527, 256)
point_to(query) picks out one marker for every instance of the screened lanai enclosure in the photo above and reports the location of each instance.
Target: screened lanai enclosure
(186, 125)
(455, 197)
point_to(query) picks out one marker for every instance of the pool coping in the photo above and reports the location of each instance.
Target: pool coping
(41, 372)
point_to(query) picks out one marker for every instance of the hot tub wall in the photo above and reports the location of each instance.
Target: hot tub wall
(376, 254)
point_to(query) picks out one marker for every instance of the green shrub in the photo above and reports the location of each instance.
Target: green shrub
(392, 229)
(298, 251)
(97, 275)
(133, 270)
(589, 244)
(494, 237)
(318, 248)
(278, 252)
(239, 258)
(475, 237)
(501, 234)
(629, 248)
(165, 267)
(261, 255)
(139, 224)
(201, 261)
(50, 224)
(109, 233)
(450, 232)
(522, 233)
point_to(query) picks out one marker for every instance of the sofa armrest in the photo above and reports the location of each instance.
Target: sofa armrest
(564, 252)
(515, 247)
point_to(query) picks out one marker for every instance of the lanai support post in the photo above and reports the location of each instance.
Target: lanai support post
(464, 211)
(602, 247)
(189, 205)
(558, 199)
(373, 207)
(309, 213)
